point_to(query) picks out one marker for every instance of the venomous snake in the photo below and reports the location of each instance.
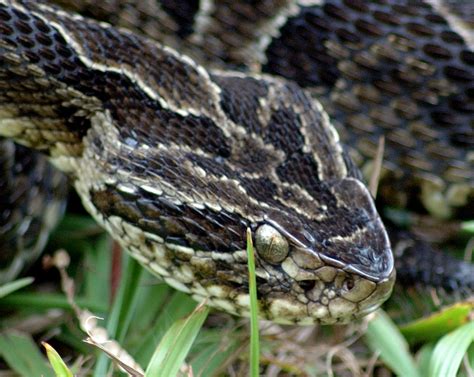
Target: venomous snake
(177, 161)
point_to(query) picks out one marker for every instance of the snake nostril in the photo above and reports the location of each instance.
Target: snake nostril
(307, 285)
(348, 284)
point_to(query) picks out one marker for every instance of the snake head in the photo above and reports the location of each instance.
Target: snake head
(333, 269)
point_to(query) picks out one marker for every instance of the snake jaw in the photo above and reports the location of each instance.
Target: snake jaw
(333, 279)
(325, 294)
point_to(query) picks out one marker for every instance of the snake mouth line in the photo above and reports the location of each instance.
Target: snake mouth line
(386, 252)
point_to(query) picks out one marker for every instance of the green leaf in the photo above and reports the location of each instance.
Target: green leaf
(254, 336)
(384, 337)
(15, 285)
(22, 355)
(176, 343)
(438, 324)
(60, 368)
(449, 351)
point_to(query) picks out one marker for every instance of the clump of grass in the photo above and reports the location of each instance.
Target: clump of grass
(442, 352)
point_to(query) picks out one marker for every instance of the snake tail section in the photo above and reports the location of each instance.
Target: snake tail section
(32, 200)
(420, 264)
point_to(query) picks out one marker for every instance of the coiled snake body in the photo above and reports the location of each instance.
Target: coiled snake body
(176, 162)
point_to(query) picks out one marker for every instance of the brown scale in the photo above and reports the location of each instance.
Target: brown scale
(211, 138)
(32, 196)
(175, 18)
(406, 50)
(175, 83)
(407, 61)
(247, 22)
(247, 91)
(319, 47)
(145, 122)
(176, 224)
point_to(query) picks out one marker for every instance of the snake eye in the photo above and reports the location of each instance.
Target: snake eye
(270, 244)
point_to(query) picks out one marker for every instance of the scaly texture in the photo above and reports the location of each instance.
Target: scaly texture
(399, 69)
(176, 163)
(402, 69)
(32, 199)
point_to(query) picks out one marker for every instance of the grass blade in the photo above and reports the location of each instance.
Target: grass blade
(438, 324)
(384, 337)
(423, 357)
(176, 343)
(212, 358)
(449, 351)
(254, 336)
(98, 264)
(46, 301)
(122, 310)
(178, 305)
(22, 355)
(59, 367)
(468, 226)
(13, 286)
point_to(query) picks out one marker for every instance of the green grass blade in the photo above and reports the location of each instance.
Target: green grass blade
(468, 226)
(254, 336)
(470, 359)
(423, 357)
(124, 306)
(98, 269)
(123, 309)
(59, 367)
(470, 356)
(384, 337)
(211, 358)
(176, 343)
(23, 356)
(15, 285)
(449, 351)
(153, 298)
(438, 324)
(35, 301)
(76, 227)
(178, 305)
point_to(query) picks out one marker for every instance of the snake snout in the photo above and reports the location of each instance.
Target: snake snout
(362, 245)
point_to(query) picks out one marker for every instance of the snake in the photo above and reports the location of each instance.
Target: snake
(33, 194)
(178, 154)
